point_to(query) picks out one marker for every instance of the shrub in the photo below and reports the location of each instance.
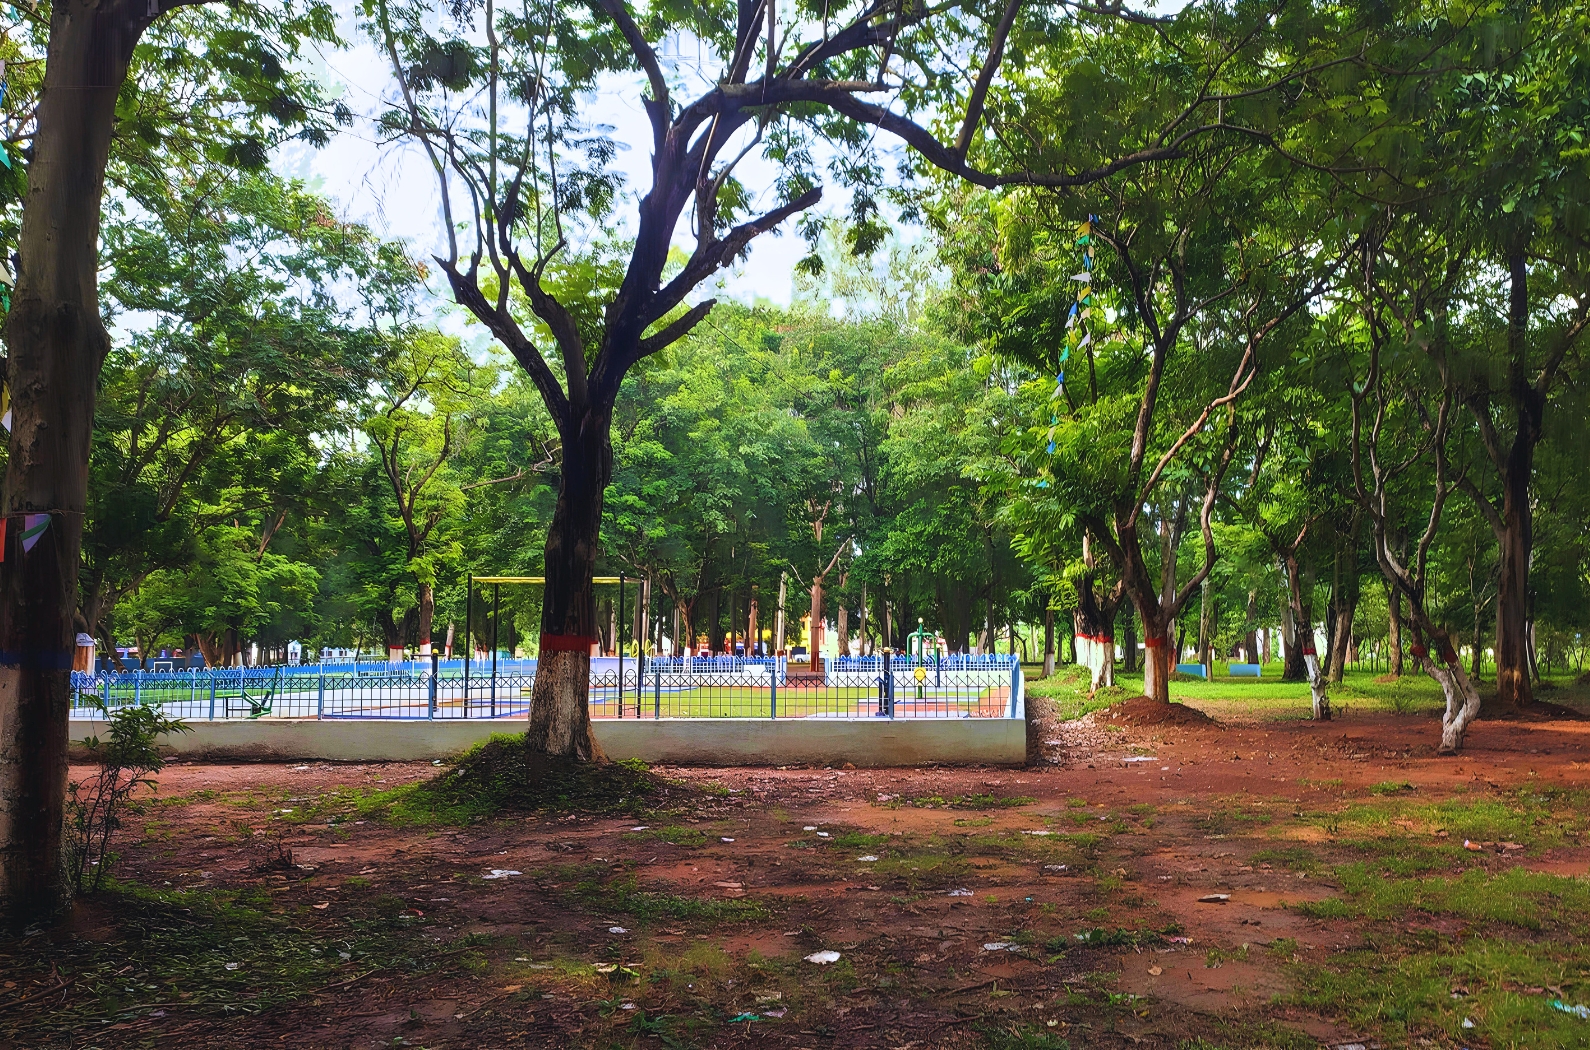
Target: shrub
(94, 807)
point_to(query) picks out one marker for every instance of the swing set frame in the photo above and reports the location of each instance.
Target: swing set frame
(497, 583)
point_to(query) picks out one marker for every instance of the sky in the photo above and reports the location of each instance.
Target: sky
(393, 189)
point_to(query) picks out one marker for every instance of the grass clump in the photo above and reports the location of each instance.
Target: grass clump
(974, 801)
(504, 775)
(624, 896)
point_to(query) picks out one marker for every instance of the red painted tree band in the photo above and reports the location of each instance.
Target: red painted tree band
(1419, 651)
(1153, 643)
(1449, 656)
(566, 643)
(1309, 650)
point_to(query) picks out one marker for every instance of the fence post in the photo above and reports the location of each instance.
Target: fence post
(656, 693)
(888, 684)
(138, 687)
(435, 673)
(772, 692)
(320, 693)
(212, 694)
(1015, 684)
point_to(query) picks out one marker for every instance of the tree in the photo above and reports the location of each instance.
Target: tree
(57, 342)
(517, 171)
(242, 352)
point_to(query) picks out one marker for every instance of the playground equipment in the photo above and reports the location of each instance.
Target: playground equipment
(497, 583)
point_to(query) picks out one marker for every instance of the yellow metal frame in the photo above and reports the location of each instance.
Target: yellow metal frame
(542, 579)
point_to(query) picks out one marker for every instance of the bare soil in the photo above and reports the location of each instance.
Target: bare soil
(1107, 896)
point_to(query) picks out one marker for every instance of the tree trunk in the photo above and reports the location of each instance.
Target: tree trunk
(715, 622)
(560, 716)
(1513, 686)
(1293, 668)
(1129, 643)
(752, 629)
(1048, 643)
(1250, 639)
(1342, 635)
(57, 343)
(1205, 657)
(1156, 657)
(1515, 537)
(1394, 630)
(427, 616)
(816, 640)
(842, 628)
(778, 615)
(861, 625)
(1303, 618)
(640, 627)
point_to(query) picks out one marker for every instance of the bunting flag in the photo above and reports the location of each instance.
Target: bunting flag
(33, 526)
(1077, 337)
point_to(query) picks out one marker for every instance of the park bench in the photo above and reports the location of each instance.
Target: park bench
(254, 704)
(1247, 670)
(1192, 669)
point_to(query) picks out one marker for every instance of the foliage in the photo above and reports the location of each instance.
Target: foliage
(95, 807)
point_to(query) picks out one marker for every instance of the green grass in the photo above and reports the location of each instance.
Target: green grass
(712, 701)
(217, 953)
(622, 896)
(1223, 696)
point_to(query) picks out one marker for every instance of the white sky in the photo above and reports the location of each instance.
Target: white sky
(393, 189)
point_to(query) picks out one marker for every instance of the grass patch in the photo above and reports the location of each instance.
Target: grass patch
(502, 775)
(1410, 989)
(214, 953)
(672, 834)
(1516, 897)
(964, 801)
(625, 897)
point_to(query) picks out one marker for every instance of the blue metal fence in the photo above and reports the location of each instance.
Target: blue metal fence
(701, 687)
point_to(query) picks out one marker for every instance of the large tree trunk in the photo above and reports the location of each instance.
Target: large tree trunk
(1513, 686)
(1156, 655)
(1515, 534)
(560, 715)
(57, 343)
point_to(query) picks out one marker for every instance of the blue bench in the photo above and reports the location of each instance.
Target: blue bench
(1193, 669)
(1247, 670)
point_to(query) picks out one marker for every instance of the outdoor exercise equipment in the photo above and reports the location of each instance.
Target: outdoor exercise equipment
(497, 583)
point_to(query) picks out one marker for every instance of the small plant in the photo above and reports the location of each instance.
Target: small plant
(94, 807)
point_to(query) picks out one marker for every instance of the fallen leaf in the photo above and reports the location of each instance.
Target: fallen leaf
(1155, 971)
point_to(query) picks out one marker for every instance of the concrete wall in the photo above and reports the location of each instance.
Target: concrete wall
(681, 741)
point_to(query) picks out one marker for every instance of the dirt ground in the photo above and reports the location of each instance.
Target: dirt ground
(1166, 886)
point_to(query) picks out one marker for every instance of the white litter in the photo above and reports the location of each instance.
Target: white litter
(1040, 832)
(809, 827)
(960, 893)
(616, 929)
(501, 873)
(868, 859)
(1140, 758)
(823, 958)
(643, 827)
(233, 966)
(822, 834)
(726, 839)
(1054, 867)
(1467, 1023)
(1001, 946)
